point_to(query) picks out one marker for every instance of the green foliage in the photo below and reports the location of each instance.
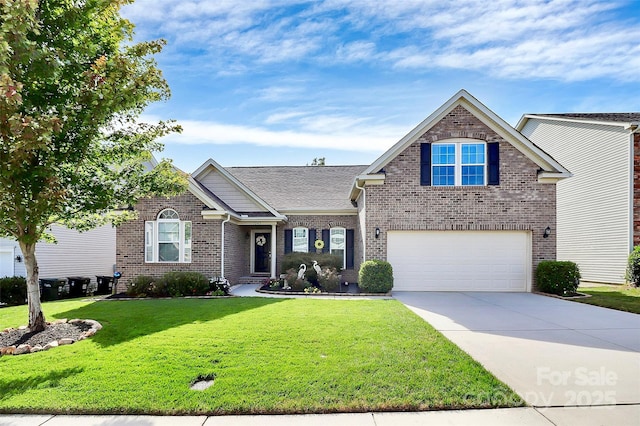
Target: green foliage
(295, 283)
(171, 284)
(13, 290)
(179, 283)
(633, 267)
(325, 260)
(557, 277)
(375, 276)
(329, 279)
(73, 85)
(140, 286)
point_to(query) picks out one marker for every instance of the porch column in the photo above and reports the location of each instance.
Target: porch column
(273, 250)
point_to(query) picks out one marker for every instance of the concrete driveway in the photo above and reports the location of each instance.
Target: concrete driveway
(553, 353)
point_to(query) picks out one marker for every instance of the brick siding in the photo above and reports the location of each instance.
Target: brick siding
(205, 244)
(518, 203)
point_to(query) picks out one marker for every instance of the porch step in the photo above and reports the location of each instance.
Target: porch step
(252, 280)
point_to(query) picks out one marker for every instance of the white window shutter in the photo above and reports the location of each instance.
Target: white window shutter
(149, 241)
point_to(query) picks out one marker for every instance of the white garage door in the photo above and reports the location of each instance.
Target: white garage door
(6, 263)
(460, 261)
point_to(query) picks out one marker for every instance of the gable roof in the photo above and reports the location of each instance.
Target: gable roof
(551, 168)
(291, 189)
(210, 165)
(628, 120)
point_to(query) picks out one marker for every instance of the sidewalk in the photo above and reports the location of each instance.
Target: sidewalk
(620, 415)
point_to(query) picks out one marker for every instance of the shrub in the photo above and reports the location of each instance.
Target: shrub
(294, 282)
(179, 283)
(13, 290)
(140, 286)
(375, 276)
(325, 260)
(633, 267)
(557, 277)
(329, 279)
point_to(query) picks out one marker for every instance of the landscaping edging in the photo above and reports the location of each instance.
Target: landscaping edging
(577, 296)
(94, 327)
(302, 293)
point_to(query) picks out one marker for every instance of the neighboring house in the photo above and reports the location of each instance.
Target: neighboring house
(598, 208)
(85, 254)
(460, 203)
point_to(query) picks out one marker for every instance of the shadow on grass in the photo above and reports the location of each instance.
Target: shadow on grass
(126, 320)
(9, 388)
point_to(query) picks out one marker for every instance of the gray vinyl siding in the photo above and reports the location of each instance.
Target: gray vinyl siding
(594, 205)
(85, 254)
(229, 193)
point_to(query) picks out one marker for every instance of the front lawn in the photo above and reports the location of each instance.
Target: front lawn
(622, 298)
(267, 356)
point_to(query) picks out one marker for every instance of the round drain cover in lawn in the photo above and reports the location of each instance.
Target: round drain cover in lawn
(203, 382)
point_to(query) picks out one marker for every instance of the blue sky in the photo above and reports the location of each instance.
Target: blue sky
(258, 82)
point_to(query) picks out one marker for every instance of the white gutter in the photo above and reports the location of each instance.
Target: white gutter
(222, 247)
(364, 210)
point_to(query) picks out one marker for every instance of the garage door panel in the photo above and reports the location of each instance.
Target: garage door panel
(459, 260)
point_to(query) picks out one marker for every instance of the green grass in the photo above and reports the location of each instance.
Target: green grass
(267, 355)
(622, 298)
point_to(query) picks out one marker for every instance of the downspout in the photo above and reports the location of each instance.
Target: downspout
(364, 210)
(222, 247)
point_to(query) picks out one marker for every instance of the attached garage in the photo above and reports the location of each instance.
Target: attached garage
(460, 260)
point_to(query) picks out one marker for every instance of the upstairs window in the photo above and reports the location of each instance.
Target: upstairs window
(460, 163)
(167, 239)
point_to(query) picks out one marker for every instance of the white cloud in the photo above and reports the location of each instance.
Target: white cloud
(350, 138)
(501, 38)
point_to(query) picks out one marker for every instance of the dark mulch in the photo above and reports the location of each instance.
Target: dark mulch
(51, 333)
(351, 288)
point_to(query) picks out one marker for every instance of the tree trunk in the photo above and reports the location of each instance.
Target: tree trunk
(36, 317)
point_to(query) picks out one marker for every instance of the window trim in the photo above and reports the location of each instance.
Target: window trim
(457, 171)
(152, 240)
(306, 240)
(344, 243)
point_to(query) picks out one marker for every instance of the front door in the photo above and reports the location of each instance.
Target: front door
(262, 251)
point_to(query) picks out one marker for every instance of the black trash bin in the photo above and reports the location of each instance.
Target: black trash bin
(105, 283)
(50, 288)
(78, 286)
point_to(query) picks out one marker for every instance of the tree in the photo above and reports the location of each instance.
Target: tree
(72, 87)
(317, 161)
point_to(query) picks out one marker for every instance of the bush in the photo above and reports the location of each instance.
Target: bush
(294, 282)
(325, 260)
(177, 284)
(375, 276)
(329, 279)
(557, 277)
(13, 290)
(140, 286)
(633, 267)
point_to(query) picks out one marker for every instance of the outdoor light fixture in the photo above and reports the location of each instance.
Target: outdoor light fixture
(18, 258)
(377, 232)
(547, 232)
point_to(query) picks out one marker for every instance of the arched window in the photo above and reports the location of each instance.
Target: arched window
(168, 239)
(300, 237)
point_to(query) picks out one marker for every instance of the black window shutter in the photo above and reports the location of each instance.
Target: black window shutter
(312, 240)
(288, 241)
(425, 164)
(350, 250)
(493, 156)
(325, 238)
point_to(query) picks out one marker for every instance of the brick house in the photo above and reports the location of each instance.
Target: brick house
(598, 208)
(462, 202)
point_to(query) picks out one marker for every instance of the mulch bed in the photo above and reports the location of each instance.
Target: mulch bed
(15, 341)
